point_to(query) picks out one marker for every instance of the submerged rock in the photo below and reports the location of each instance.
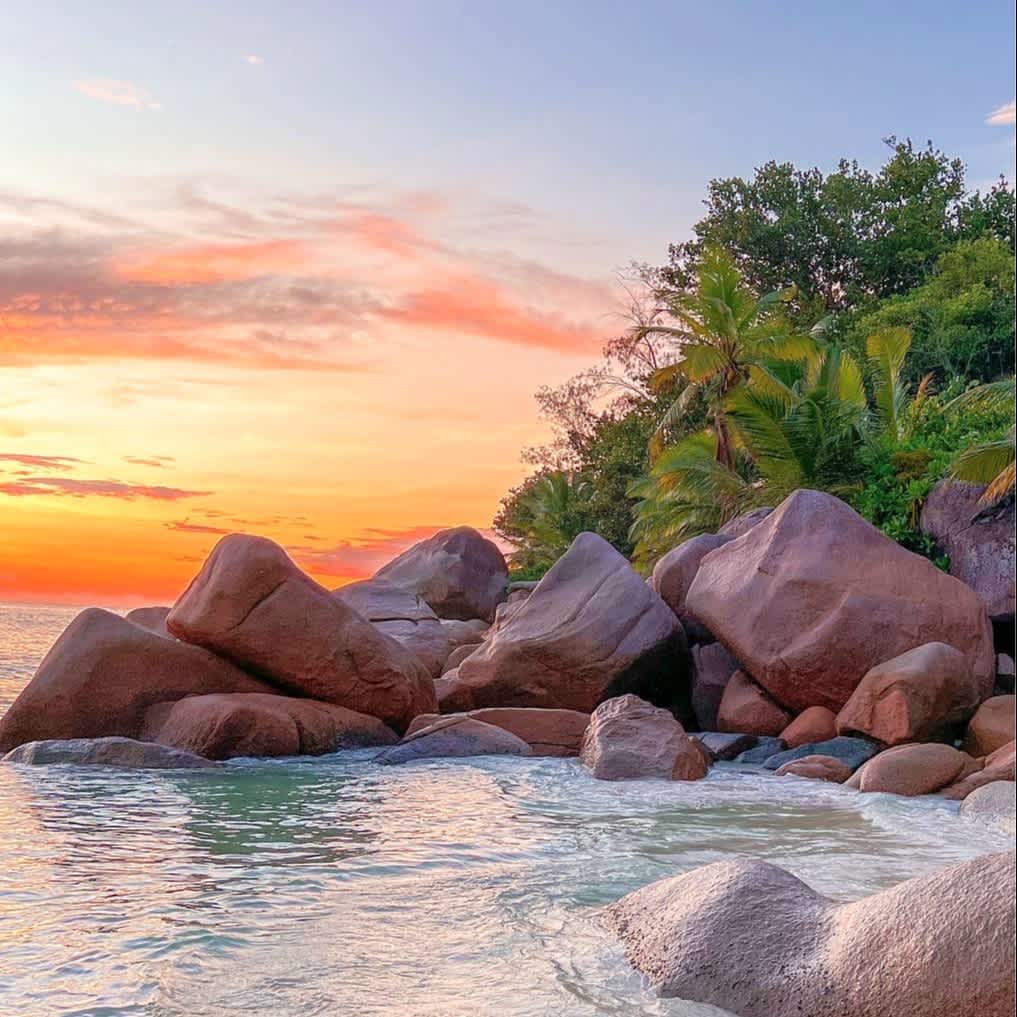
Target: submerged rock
(913, 769)
(458, 572)
(253, 724)
(812, 597)
(764, 749)
(724, 746)
(123, 752)
(547, 732)
(850, 751)
(454, 737)
(251, 604)
(630, 739)
(751, 938)
(104, 672)
(914, 697)
(816, 768)
(592, 629)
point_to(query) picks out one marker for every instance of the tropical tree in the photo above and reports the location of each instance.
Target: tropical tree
(727, 336)
(993, 462)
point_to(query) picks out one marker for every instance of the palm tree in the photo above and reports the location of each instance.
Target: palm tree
(552, 511)
(991, 463)
(728, 335)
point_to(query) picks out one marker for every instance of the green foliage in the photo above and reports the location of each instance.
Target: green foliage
(899, 473)
(848, 238)
(962, 318)
(988, 462)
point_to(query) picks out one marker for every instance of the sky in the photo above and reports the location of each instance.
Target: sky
(299, 269)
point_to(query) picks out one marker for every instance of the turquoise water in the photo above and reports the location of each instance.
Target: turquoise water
(438, 889)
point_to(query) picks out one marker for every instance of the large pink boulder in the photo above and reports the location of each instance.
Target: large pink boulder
(402, 615)
(251, 604)
(915, 697)
(103, 673)
(256, 724)
(751, 938)
(547, 732)
(913, 769)
(460, 573)
(746, 709)
(151, 618)
(628, 739)
(590, 630)
(980, 543)
(812, 597)
(991, 727)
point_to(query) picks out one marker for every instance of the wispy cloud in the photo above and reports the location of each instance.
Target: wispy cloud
(70, 487)
(1003, 115)
(360, 557)
(119, 93)
(186, 526)
(254, 59)
(38, 462)
(157, 462)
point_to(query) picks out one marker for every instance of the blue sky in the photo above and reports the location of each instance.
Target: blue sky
(609, 116)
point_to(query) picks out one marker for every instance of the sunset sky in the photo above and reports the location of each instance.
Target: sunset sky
(298, 269)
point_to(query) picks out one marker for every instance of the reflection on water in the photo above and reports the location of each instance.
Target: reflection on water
(432, 890)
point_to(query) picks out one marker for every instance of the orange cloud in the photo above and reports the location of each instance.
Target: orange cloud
(213, 263)
(73, 487)
(479, 307)
(119, 93)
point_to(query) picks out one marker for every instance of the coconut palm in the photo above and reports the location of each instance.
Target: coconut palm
(552, 511)
(991, 463)
(727, 336)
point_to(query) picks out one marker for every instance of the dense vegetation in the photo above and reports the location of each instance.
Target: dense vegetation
(852, 332)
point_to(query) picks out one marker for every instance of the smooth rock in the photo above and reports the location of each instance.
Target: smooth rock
(112, 751)
(103, 673)
(256, 724)
(816, 724)
(403, 615)
(816, 768)
(454, 737)
(547, 732)
(151, 618)
(630, 739)
(913, 769)
(994, 803)
(460, 573)
(746, 708)
(853, 752)
(991, 727)
(753, 939)
(724, 747)
(915, 697)
(673, 574)
(464, 633)
(761, 751)
(251, 604)
(979, 541)
(592, 629)
(458, 655)
(1000, 765)
(712, 668)
(812, 597)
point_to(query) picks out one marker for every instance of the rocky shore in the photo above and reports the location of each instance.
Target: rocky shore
(801, 640)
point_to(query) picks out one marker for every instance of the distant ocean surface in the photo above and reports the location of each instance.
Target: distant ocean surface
(27, 631)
